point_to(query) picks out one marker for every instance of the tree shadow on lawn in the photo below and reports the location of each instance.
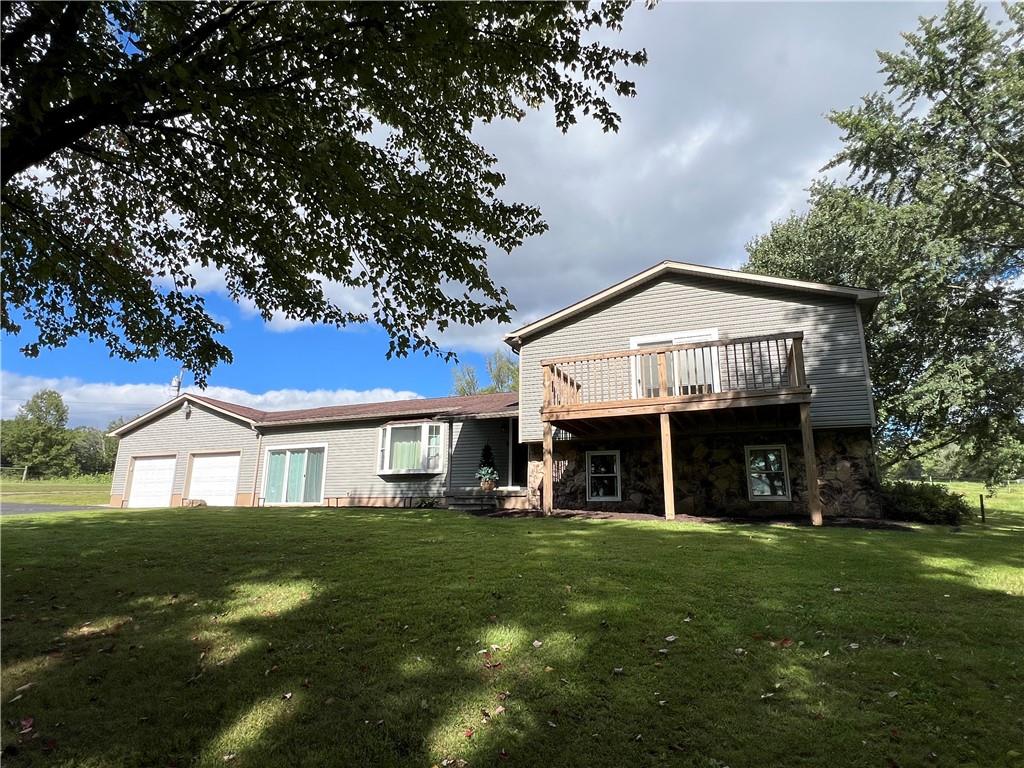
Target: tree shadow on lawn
(407, 638)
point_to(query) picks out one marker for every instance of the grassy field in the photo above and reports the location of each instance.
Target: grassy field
(426, 637)
(1005, 499)
(82, 491)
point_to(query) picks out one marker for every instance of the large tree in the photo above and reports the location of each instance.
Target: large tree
(305, 151)
(932, 214)
(38, 437)
(949, 130)
(947, 363)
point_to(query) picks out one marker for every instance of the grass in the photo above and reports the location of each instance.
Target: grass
(1005, 499)
(381, 637)
(86, 491)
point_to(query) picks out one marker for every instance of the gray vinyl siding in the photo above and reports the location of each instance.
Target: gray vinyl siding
(353, 452)
(173, 434)
(351, 457)
(351, 462)
(470, 439)
(833, 353)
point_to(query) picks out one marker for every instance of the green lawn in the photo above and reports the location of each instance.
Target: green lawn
(82, 491)
(407, 637)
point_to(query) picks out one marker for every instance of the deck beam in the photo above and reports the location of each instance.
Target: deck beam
(677, 404)
(666, 467)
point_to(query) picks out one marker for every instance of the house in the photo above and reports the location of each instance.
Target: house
(195, 448)
(684, 387)
(705, 389)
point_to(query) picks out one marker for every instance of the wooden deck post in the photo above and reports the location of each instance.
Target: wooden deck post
(811, 464)
(666, 467)
(548, 489)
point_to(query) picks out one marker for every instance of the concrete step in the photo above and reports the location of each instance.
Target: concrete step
(476, 504)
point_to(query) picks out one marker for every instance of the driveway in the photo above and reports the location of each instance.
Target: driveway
(13, 508)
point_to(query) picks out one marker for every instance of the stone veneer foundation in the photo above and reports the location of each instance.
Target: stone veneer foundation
(710, 474)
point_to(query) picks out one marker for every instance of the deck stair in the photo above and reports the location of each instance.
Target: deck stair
(476, 503)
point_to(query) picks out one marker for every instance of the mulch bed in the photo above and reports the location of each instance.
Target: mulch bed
(845, 522)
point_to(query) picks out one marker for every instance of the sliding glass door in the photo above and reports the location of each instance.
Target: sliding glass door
(294, 475)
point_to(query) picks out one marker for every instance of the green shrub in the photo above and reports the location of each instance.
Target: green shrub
(923, 503)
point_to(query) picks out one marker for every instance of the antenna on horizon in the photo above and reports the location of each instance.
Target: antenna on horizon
(176, 381)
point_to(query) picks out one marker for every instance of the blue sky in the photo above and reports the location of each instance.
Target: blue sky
(726, 133)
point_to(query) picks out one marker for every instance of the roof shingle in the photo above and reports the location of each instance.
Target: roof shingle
(465, 406)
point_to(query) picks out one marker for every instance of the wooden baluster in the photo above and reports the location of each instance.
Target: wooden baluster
(760, 366)
(662, 375)
(705, 384)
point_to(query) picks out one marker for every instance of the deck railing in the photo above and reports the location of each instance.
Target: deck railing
(754, 364)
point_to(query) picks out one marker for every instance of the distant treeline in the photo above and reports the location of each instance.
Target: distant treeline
(39, 438)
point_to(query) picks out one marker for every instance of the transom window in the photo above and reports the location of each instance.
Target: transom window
(294, 475)
(767, 473)
(410, 449)
(603, 476)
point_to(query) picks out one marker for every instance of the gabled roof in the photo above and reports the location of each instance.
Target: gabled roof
(865, 297)
(470, 406)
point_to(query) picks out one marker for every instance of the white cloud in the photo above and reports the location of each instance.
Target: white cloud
(96, 404)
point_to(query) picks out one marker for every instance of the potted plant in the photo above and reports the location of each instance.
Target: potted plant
(487, 474)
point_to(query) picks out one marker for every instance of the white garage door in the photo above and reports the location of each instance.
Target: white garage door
(152, 478)
(214, 479)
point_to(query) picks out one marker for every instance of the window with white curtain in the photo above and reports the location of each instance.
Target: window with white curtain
(411, 449)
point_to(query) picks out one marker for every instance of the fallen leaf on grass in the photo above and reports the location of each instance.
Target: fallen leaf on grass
(469, 733)
(22, 688)
(671, 639)
(287, 696)
(537, 643)
(229, 757)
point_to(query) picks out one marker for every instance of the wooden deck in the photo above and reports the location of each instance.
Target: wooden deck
(731, 373)
(582, 393)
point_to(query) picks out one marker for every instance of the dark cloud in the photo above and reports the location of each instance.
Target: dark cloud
(725, 134)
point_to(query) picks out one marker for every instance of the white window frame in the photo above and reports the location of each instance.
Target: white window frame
(785, 471)
(669, 339)
(618, 475)
(288, 460)
(384, 449)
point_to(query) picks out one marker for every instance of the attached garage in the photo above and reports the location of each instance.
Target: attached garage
(152, 480)
(213, 478)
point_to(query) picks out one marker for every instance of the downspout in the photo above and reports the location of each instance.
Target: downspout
(256, 473)
(448, 464)
(511, 451)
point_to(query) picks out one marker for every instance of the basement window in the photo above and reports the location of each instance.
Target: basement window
(767, 473)
(603, 476)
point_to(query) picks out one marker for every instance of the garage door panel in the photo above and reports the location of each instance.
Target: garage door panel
(152, 481)
(214, 479)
